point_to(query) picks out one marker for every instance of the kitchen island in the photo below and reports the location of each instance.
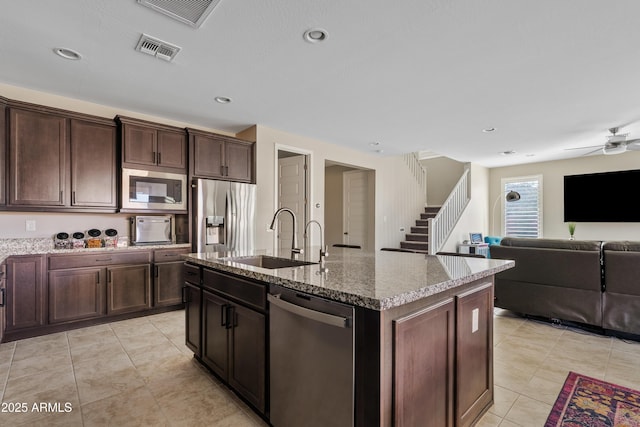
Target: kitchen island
(422, 328)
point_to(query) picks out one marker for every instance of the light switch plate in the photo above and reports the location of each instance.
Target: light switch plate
(30, 225)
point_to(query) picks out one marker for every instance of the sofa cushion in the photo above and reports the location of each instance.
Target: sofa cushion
(621, 298)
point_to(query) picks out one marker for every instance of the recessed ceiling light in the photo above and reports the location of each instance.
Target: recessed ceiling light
(223, 99)
(508, 153)
(67, 53)
(488, 130)
(374, 143)
(315, 35)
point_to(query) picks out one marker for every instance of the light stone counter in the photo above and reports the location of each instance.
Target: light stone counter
(35, 246)
(378, 280)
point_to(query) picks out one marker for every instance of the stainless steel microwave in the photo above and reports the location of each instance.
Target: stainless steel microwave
(153, 190)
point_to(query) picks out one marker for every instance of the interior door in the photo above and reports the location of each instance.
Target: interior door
(355, 206)
(291, 194)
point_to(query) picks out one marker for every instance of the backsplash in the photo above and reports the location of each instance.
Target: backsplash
(47, 225)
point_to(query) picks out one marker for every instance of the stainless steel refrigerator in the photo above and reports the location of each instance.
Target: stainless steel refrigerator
(223, 216)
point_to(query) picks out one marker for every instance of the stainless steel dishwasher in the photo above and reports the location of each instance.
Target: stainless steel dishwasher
(311, 360)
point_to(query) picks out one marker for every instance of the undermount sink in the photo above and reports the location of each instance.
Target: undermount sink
(269, 262)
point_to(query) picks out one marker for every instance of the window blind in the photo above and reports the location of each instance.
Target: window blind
(523, 218)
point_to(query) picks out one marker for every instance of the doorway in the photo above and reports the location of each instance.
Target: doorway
(349, 205)
(292, 184)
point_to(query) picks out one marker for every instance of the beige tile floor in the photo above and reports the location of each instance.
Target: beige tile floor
(139, 373)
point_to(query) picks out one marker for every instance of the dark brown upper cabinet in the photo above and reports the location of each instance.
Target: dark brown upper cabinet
(221, 157)
(3, 150)
(152, 146)
(60, 160)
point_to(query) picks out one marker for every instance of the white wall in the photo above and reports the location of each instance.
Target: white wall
(553, 194)
(443, 174)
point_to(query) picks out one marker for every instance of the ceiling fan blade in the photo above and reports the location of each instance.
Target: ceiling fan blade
(584, 148)
(597, 150)
(633, 145)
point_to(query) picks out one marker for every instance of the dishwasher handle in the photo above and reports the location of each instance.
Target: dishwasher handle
(319, 316)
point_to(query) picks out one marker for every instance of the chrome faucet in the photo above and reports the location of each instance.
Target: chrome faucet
(294, 241)
(324, 251)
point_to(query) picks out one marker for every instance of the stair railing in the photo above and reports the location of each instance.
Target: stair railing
(441, 226)
(418, 171)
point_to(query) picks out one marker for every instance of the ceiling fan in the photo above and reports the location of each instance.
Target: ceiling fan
(615, 144)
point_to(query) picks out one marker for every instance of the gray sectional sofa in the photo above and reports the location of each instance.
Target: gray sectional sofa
(588, 282)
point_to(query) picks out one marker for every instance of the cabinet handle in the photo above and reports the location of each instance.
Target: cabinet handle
(109, 276)
(153, 155)
(230, 321)
(184, 295)
(159, 158)
(226, 170)
(222, 170)
(102, 259)
(73, 197)
(223, 315)
(155, 272)
(2, 302)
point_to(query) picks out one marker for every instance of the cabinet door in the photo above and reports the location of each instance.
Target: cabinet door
(3, 300)
(215, 328)
(192, 310)
(3, 154)
(38, 159)
(247, 350)
(138, 146)
(208, 157)
(167, 283)
(26, 294)
(423, 366)
(172, 150)
(474, 344)
(93, 164)
(76, 294)
(128, 288)
(239, 161)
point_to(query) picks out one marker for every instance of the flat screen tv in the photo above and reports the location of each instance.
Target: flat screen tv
(602, 197)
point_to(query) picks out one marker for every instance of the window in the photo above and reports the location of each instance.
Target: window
(523, 218)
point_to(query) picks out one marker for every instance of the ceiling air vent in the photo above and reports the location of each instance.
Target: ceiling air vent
(158, 48)
(191, 12)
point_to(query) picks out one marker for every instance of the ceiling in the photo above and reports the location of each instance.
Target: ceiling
(395, 77)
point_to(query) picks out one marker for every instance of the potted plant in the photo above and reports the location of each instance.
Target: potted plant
(572, 229)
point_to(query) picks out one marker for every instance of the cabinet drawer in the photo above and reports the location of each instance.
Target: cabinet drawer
(169, 255)
(192, 274)
(253, 294)
(57, 262)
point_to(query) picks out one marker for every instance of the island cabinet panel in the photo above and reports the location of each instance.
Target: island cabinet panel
(192, 297)
(38, 158)
(93, 164)
(221, 157)
(128, 288)
(76, 294)
(152, 146)
(234, 334)
(25, 292)
(474, 345)
(424, 366)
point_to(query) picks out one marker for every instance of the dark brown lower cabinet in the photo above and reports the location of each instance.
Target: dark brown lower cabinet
(192, 298)
(3, 299)
(76, 294)
(128, 288)
(233, 346)
(474, 353)
(25, 292)
(167, 283)
(424, 366)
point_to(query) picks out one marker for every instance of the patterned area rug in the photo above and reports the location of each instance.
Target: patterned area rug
(586, 401)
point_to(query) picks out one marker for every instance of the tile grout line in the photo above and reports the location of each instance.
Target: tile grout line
(75, 380)
(6, 380)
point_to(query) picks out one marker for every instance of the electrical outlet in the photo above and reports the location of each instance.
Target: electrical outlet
(30, 225)
(402, 229)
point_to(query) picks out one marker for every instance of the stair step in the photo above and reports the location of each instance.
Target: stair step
(420, 237)
(422, 222)
(420, 230)
(423, 246)
(432, 209)
(427, 215)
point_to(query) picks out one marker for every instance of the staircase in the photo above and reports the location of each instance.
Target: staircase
(418, 239)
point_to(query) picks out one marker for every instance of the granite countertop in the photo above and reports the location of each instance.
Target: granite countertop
(378, 280)
(35, 246)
